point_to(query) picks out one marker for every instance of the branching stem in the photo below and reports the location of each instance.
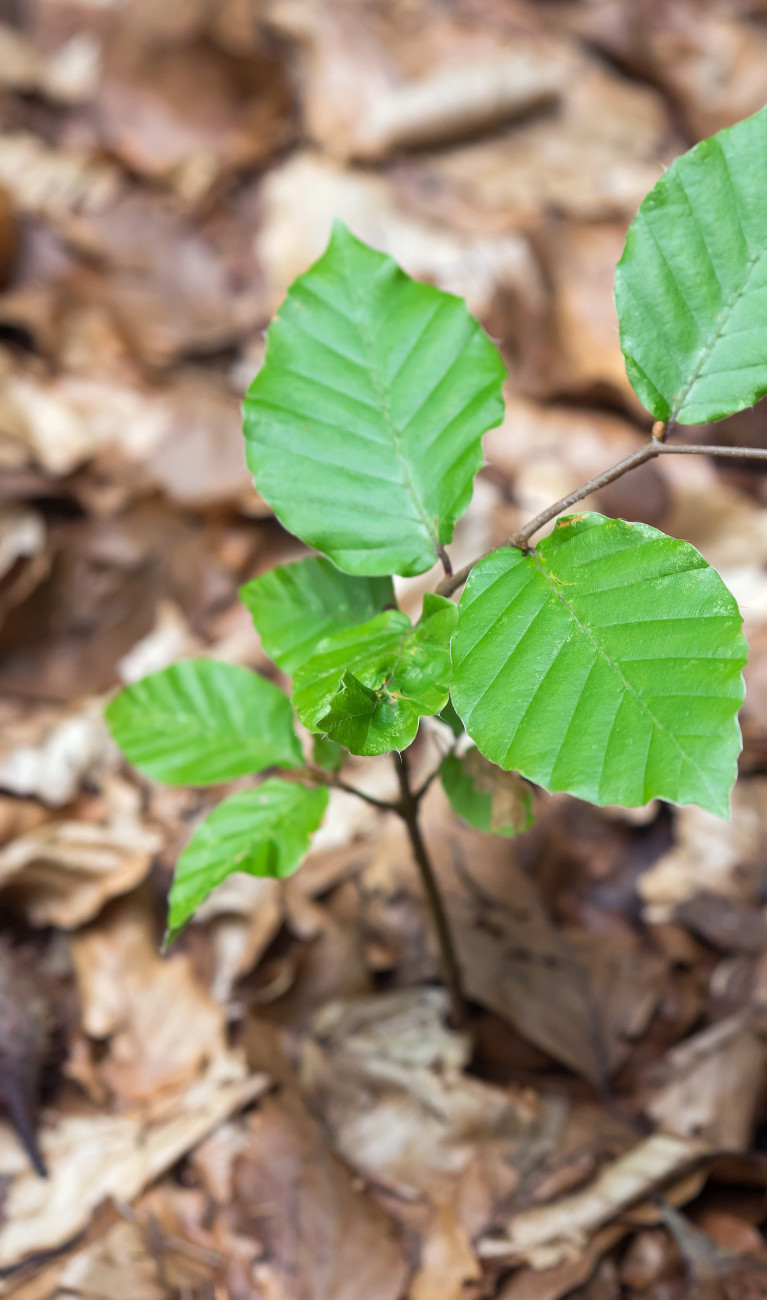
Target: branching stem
(648, 451)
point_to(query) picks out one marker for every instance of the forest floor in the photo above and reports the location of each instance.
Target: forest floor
(279, 1110)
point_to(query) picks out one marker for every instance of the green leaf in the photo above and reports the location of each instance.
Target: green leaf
(690, 286)
(200, 722)
(607, 664)
(364, 424)
(486, 796)
(296, 605)
(367, 687)
(264, 832)
(328, 754)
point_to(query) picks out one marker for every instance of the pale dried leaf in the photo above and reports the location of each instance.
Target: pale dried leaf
(388, 1078)
(711, 855)
(92, 1156)
(551, 1234)
(50, 755)
(62, 873)
(126, 988)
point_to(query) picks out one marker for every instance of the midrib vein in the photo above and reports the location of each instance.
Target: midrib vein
(626, 684)
(386, 412)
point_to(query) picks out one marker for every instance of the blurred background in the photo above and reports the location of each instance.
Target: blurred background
(278, 1109)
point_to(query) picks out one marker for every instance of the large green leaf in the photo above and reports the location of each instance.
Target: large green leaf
(607, 664)
(367, 687)
(691, 287)
(296, 606)
(264, 832)
(364, 424)
(200, 722)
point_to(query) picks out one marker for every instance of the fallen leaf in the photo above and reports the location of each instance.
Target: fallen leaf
(322, 1235)
(51, 753)
(63, 872)
(125, 989)
(710, 855)
(93, 1155)
(389, 1080)
(366, 97)
(709, 1087)
(551, 1234)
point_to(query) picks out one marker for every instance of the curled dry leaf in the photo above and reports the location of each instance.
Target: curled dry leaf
(50, 754)
(711, 855)
(550, 1234)
(63, 872)
(126, 988)
(366, 97)
(709, 1087)
(389, 1080)
(92, 1156)
(53, 183)
(592, 156)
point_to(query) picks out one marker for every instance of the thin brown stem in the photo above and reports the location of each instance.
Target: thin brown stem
(321, 777)
(648, 451)
(445, 561)
(451, 973)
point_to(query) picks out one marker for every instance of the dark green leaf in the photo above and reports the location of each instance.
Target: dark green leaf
(328, 754)
(296, 605)
(364, 425)
(607, 664)
(486, 796)
(264, 832)
(690, 287)
(450, 718)
(200, 722)
(367, 687)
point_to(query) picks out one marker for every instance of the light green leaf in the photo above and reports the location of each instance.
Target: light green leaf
(607, 664)
(691, 286)
(264, 832)
(200, 722)
(364, 424)
(486, 796)
(367, 687)
(296, 605)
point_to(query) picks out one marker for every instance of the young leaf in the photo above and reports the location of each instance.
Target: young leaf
(367, 687)
(264, 832)
(200, 722)
(486, 796)
(364, 425)
(296, 605)
(607, 664)
(690, 286)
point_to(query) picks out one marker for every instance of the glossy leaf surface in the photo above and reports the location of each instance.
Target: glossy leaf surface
(607, 664)
(691, 286)
(201, 721)
(295, 606)
(366, 688)
(364, 425)
(264, 832)
(484, 795)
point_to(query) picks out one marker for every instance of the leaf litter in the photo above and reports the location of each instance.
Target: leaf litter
(279, 1109)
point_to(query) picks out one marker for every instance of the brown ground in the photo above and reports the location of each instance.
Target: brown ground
(278, 1111)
